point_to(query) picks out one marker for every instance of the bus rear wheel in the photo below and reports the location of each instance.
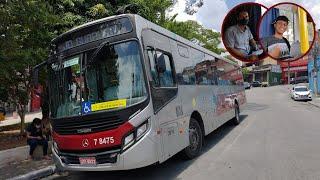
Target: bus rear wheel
(195, 139)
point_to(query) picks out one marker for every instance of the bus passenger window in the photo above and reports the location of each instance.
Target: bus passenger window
(154, 74)
(161, 69)
(164, 70)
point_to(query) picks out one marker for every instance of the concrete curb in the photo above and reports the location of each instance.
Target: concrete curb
(315, 102)
(37, 174)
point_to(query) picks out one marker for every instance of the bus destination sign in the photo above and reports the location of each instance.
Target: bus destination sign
(97, 32)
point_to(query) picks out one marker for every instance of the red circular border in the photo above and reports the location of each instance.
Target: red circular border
(222, 32)
(314, 29)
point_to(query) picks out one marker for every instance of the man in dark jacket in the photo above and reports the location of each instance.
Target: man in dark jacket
(35, 138)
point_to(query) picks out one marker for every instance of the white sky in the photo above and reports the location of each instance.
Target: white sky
(212, 13)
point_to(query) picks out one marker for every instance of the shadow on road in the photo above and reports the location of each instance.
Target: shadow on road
(214, 138)
(167, 170)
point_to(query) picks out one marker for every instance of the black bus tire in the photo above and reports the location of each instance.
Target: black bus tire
(236, 119)
(196, 140)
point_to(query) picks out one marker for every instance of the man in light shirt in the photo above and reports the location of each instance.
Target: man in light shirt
(239, 40)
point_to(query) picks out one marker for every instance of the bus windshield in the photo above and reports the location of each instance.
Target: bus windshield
(113, 80)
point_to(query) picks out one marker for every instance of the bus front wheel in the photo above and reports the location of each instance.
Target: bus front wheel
(195, 139)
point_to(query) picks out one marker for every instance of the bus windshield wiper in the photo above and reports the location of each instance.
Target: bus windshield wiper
(96, 52)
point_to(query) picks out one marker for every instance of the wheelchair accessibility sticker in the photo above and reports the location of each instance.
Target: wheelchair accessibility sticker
(86, 107)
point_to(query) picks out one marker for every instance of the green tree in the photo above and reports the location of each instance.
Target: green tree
(153, 10)
(245, 73)
(193, 30)
(25, 33)
(76, 12)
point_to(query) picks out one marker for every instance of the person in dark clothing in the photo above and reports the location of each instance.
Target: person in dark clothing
(277, 45)
(35, 138)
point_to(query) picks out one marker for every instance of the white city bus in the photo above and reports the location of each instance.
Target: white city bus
(126, 93)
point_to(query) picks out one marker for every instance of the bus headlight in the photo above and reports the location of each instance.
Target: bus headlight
(128, 140)
(135, 135)
(142, 129)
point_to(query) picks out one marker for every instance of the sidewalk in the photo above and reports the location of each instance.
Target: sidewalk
(10, 120)
(315, 101)
(12, 161)
(13, 164)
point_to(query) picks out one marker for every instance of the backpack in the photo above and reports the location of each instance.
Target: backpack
(287, 42)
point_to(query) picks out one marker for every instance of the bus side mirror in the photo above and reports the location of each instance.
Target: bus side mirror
(161, 63)
(35, 73)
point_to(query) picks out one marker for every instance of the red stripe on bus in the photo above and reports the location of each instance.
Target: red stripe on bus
(97, 140)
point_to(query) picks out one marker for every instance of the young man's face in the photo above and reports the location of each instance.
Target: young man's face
(280, 26)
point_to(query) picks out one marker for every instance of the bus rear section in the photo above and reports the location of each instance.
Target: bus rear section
(125, 93)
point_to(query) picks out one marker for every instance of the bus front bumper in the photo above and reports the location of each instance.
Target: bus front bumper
(141, 154)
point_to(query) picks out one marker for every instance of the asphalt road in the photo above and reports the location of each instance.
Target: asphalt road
(278, 138)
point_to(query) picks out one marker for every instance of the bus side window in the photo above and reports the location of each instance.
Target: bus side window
(153, 71)
(163, 85)
(161, 69)
(164, 70)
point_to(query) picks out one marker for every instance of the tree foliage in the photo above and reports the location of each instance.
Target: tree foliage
(246, 73)
(193, 30)
(25, 33)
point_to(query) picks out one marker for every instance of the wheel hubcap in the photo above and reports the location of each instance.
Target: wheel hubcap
(194, 138)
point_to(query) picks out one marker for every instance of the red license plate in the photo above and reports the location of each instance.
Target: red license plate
(87, 160)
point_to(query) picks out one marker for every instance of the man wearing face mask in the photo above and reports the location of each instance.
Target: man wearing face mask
(239, 40)
(35, 138)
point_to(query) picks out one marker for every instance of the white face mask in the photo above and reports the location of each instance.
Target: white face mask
(38, 126)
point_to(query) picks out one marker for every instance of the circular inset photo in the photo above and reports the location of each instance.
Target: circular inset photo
(239, 32)
(286, 32)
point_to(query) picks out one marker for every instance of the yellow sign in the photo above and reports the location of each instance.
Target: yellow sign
(109, 105)
(194, 103)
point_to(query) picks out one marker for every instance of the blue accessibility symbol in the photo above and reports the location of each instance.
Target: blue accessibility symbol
(86, 107)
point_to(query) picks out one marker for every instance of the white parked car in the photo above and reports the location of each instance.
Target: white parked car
(246, 85)
(300, 93)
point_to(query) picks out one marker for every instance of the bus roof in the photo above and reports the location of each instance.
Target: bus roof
(78, 28)
(151, 25)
